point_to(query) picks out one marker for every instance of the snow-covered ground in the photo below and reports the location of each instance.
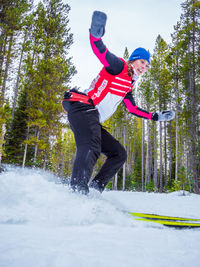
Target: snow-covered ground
(43, 224)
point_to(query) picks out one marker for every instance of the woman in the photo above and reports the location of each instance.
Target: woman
(86, 111)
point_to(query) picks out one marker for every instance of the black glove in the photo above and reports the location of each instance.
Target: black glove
(98, 24)
(167, 115)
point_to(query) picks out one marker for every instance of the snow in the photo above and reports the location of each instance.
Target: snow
(44, 224)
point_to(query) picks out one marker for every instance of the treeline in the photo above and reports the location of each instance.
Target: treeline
(166, 155)
(35, 71)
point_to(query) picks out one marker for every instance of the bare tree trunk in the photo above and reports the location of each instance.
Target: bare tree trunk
(155, 175)
(124, 166)
(142, 137)
(25, 149)
(192, 120)
(115, 181)
(165, 140)
(61, 170)
(45, 161)
(17, 82)
(194, 104)
(2, 134)
(185, 160)
(124, 177)
(7, 64)
(2, 53)
(170, 151)
(148, 163)
(178, 109)
(161, 167)
(133, 154)
(25, 153)
(177, 147)
(36, 146)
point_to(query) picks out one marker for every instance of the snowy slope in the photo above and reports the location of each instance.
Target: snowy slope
(43, 224)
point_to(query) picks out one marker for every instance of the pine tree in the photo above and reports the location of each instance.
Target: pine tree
(126, 54)
(160, 88)
(146, 94)
(46, 73)
(12, 14)
(191, 35)
(17, 133)
(53, 70)
(5, 113)
(186, 54)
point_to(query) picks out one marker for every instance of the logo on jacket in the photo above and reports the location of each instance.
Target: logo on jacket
(100, 89)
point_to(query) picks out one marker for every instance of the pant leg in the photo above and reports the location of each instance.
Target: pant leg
(116, 156)
(84, 122)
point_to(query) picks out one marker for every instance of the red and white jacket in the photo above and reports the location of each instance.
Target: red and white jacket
(112, 85)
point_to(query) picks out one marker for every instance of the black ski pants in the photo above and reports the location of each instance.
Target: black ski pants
(92, 140)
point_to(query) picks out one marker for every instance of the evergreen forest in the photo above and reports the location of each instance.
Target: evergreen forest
(36, 70)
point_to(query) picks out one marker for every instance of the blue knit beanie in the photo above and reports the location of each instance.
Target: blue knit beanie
(140, 53)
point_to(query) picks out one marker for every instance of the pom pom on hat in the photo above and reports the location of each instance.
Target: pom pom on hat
(140, 53)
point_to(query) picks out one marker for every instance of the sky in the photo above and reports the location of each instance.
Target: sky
(129, 24)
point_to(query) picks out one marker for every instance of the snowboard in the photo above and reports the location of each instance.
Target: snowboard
(170, 221)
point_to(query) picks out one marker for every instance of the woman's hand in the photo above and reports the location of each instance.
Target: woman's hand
(98, 24)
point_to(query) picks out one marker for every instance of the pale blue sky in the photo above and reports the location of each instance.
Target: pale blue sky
(130, 23)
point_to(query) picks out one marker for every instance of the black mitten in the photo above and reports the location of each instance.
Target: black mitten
(166, 115)
(98, 24)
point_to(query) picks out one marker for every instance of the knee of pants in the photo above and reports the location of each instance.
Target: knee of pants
(123, 154)
(120, 153)
(85, 153)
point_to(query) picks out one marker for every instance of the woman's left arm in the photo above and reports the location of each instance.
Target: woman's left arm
(134, 109)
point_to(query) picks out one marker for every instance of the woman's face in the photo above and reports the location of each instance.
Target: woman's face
(140, 66)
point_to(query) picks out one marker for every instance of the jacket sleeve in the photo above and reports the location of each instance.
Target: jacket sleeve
(135, 110)
(113, 64)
